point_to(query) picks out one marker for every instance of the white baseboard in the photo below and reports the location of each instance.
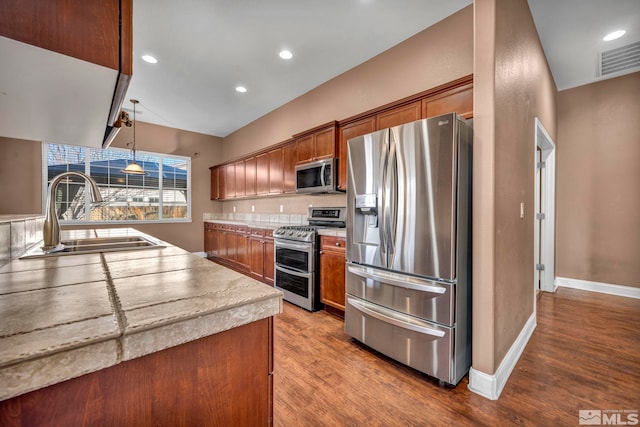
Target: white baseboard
(200, 254)
(490, 386)
(605, 288)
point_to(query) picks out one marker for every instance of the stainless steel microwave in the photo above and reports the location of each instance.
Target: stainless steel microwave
(317, 177)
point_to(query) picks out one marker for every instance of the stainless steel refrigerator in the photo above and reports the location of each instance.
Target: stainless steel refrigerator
(408, 279)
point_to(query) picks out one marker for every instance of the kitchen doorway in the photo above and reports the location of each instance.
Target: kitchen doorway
(545, 193)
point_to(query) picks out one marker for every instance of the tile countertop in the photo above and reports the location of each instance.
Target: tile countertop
(71, 315)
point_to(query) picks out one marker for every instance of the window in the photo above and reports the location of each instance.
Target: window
(162, 195)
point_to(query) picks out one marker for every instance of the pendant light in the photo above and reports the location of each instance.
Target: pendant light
(134, 168)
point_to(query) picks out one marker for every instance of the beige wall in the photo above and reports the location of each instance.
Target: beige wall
(598, 182)
(437, 55)
(511, 92)
(20, 176)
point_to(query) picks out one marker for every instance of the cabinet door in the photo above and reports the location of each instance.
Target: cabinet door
(325, 143)
(242, 250)
(239, 178)
(305, 149)
(222, 242)
(250, 176)
(230, 245)
(275, 171)
(289, 167)
(262, 173)
(361, 127)
(222, 182)
(459, 101)
(332, 272)
(230, 181)
(207, 240)
(269, 261)
(399, 115)
(214, 183)
(213, 241)
(256, 257)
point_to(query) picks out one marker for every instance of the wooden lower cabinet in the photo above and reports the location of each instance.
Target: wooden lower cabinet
(224, 379)
(332, 273)
(242, 248)
(247, 250)
(261, 266)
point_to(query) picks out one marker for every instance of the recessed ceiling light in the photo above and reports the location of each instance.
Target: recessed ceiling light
(150, 59)
(614, 35)
(241, 89)
(286, 54)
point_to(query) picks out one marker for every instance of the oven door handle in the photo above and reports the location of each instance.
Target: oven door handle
(413, 283)
(303, 247)
(422, 328)
(293, 272)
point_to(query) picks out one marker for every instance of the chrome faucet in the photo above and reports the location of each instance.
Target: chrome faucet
(51, 227)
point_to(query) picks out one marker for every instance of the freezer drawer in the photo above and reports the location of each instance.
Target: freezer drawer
(427, 299)
(422, 345)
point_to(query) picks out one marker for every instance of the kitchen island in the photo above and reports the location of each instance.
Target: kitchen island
(145, 337)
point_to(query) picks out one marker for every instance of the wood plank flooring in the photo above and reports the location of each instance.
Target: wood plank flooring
(584, 354)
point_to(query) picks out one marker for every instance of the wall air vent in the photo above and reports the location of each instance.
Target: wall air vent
(624, 58)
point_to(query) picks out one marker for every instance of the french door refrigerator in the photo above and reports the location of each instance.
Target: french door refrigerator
(408, 244)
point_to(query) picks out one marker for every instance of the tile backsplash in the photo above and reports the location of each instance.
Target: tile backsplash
(292, 219)
(18, 233)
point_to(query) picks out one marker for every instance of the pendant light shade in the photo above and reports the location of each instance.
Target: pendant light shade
(134, 168)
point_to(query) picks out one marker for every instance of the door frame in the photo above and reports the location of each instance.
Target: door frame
(545, 196)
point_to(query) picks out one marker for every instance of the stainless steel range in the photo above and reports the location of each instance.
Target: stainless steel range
(297, 256)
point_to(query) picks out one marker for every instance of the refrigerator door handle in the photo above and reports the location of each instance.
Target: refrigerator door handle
(383, 206)
(413, 283)
(392, 221)
(423, 329)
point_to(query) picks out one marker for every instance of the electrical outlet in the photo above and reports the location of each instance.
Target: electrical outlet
(522, 210)
(281, 208)
(234, 209)
(253, 208)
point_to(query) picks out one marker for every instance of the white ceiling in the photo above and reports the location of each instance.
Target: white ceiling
(206, 48)
(571, 33)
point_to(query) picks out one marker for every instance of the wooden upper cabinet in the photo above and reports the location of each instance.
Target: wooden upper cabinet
(222, 182)
(317, 144)
(351, 130)
(459, 100)
(262, 173)
(250, 176)
(276, 175)
(289, 157)
(230, 181)
(240, 178)
(399, 115)
(305, 149)
(325, 143)
(214, 183)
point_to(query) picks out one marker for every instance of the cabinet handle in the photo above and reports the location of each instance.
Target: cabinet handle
(321, 252)
(337, 243)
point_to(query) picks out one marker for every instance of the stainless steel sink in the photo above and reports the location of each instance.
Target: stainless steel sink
(95, 245)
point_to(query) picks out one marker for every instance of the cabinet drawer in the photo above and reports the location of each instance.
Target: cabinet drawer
(259, 232)
(333, 243)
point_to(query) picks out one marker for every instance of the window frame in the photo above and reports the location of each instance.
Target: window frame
(87, 207)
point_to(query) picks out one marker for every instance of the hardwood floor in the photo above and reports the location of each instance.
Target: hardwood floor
(584, 354)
